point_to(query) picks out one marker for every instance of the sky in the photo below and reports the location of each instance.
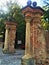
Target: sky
(23, 2)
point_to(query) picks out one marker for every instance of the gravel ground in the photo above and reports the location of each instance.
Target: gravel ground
(11, 59)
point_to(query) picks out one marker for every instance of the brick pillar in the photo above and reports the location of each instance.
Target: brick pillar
(9, 37)
(27, 43)
(47, 42)
(27, 58)
(37, 38)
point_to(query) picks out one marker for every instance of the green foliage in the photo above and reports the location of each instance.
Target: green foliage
(13, 14)
(45, 19)
(2, 26)
(46, 2)
(44, 24)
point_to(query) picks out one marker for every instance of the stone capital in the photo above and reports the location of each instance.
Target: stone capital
(10, 25)
(7, 27)
(28, 19)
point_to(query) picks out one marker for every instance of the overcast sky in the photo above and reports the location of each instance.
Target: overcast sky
(23, 2)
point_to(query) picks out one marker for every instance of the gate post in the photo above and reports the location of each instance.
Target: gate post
(9, 37)
(27, 59)
(35, 46)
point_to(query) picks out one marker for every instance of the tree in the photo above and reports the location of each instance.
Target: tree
(46, 2)
(46, 15)
(44, 24)
(14, 14)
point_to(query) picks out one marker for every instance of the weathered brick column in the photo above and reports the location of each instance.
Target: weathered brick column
(28, 19)
(36, 42)
(28, 55)
(9, 37)
(47, 42)
(28, 59)
(37, 37)
(27, 47)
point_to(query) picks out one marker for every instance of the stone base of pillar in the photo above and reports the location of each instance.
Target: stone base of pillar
(28, 60)
(6, 51)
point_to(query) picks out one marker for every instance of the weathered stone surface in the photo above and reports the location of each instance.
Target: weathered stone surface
(37, 39)
(11, 59)
(29, 61)
(47, 42)
(10, 37)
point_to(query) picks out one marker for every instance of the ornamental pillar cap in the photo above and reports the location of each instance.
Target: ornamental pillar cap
(32, 8)
(29, 2)
(10, 23)
(28, 18)
(34, 4)
(27, 15)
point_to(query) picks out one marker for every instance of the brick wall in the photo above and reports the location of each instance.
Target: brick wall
(47, 40)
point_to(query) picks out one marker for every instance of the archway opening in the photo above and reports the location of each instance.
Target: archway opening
(20, 37)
